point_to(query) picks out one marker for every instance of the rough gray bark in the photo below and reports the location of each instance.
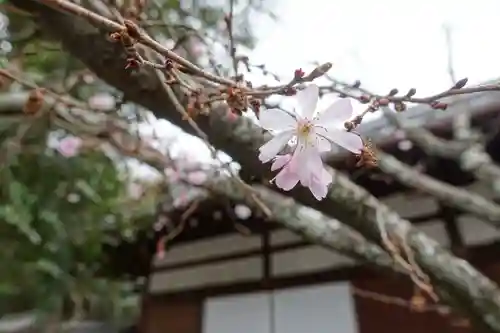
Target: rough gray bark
(455, 279)
(471, 157)
(456, 197)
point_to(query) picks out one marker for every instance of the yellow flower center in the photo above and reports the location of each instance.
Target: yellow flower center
(304, 129)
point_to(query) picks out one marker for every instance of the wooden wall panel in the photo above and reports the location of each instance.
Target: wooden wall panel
(173, 315)
(377, 317)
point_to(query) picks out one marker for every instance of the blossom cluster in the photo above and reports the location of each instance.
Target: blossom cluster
(309, 134)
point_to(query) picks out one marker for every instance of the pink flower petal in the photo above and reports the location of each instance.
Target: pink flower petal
(307, 100)
(102, 102)
(197, 177)
(277, 120)
(318, 189)
(322, 142)
(135, 190)
(69, 146)
(286, 180)
(280, 161)
(326, 177)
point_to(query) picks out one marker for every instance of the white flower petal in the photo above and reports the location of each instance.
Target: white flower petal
(321, 142)
(337, 113)
(324, 145)
(347, 140)
(307, 100)
(277, 120)
(274, 146)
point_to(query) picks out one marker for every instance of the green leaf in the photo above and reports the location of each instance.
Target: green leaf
(16, 192)
(49, 267)
(50, 217)
(21, 220)
(87, 190)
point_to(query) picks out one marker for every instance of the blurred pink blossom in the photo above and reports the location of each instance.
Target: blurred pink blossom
(102, 102)
(135, 190)
(172, 174)
(181, 200)
(197, 177)
(69, 146)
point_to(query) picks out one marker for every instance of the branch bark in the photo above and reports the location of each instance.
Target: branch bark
(471, 157)
(456, 280)
(452, 195)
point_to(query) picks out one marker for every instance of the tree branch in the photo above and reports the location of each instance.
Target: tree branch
(455, 279)
(471, 157)
(452, 195)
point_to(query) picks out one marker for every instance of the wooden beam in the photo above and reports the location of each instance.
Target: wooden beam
(266, 255)
(449, 217)
(231, 256)
(481, 257)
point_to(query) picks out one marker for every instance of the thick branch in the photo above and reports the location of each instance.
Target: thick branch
(471, 158)
(469, 290)
(456, 197)
(309, 223)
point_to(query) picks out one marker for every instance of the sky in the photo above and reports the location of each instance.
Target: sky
(383, 43)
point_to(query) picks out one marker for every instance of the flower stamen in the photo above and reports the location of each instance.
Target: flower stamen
(304, 128)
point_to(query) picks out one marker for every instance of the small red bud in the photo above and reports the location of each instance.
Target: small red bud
(364, 99)
(290, 91)
(299, 73)
(232, 115)
(160, 248)
(383, 102)
(132, 63)
(439, 105)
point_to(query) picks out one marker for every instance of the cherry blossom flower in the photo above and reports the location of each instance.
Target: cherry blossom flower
(69, 146)
(197, 177)
(310, 129)
(102, 102)
(135, 190)
(314, 134)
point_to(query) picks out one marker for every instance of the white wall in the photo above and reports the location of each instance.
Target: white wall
(249, 313)
(326, 308)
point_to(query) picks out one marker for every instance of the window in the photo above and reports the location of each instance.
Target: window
(249, 313)
(326, 308)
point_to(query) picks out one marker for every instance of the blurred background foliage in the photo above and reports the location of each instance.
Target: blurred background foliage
(57, 212)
